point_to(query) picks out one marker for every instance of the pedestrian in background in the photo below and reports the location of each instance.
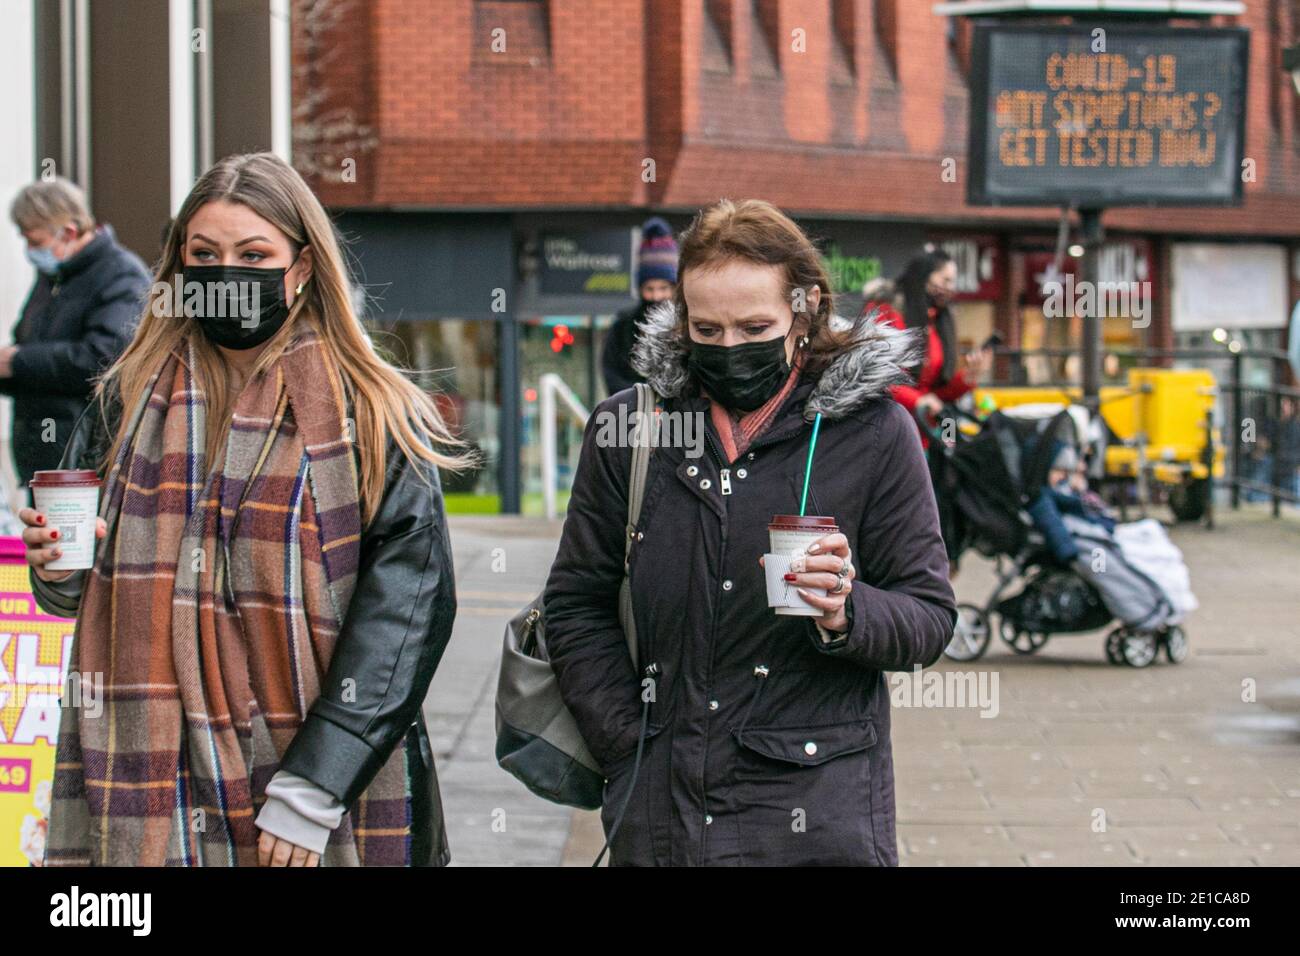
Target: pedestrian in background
(924, 293)
(78, 318)
(767, 736)
(274, 589)
(656, 278)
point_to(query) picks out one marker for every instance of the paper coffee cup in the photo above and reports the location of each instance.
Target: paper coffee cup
(790, 536)
(782, 595)
(69, 499)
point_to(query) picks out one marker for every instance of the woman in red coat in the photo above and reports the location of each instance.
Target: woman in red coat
(925, 288)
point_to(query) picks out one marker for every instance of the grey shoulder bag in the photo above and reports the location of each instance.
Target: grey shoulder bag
(537, 738)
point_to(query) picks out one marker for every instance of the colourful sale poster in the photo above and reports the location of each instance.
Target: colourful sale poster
(34, 652)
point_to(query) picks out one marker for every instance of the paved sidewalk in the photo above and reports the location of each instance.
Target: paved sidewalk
(1181, 769)
(501, 563)
(1172, 761)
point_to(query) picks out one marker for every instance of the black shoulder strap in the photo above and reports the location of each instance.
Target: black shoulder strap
(641, 450)
(640, 453)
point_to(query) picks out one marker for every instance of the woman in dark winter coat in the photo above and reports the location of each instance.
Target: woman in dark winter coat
(77, 319)
(768, 736)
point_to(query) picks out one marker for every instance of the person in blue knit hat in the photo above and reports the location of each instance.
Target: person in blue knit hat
(656, 280)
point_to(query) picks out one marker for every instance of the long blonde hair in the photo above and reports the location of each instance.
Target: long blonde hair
(384, 401)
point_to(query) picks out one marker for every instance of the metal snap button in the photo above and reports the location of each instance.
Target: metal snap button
(726, 585)
(708, 819)
(810, 748)
(692, 470)
(640, 535)
(741, 473)
(751, 456)
(706, 484)
(713, 705)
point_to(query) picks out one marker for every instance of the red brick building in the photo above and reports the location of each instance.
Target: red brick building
(457, 138)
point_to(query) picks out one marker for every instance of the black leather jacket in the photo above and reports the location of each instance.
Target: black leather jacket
(394, 633)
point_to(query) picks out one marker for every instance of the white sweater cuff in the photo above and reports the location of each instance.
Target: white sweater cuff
(300, 812)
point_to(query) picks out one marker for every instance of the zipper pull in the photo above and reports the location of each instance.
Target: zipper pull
(725, 480)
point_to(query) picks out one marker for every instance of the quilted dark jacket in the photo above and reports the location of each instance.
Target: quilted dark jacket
(73, 326)
(766, 745)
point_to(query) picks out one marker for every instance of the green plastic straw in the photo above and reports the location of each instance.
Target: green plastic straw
(807, 472)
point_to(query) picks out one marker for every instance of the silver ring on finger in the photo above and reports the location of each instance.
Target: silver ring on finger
(841, 577)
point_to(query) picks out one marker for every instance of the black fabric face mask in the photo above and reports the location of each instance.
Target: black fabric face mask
(246, 305)
(741, 377)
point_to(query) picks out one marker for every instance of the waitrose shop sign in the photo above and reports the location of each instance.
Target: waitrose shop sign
(598, 262)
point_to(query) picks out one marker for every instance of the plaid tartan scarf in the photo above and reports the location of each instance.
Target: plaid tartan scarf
(211, 617)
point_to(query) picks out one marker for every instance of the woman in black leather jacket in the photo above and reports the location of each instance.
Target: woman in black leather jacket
(363, 730)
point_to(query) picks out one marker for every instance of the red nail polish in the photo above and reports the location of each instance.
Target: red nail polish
(54, 536)
(789, 577)
(40, 519)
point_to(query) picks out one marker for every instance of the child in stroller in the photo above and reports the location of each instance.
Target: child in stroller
(1017, 492)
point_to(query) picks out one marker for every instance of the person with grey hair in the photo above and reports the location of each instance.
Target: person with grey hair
(77, 319)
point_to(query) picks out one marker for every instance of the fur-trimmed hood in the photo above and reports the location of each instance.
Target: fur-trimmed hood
(881, 358)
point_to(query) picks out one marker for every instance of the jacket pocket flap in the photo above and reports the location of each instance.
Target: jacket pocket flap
(808, 746)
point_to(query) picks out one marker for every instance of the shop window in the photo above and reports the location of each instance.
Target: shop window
(1121, 342)
(563, 345)
(974, 323)
(456, 361)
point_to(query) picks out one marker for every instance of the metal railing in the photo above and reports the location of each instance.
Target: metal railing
(1260, 422)
(548, 387)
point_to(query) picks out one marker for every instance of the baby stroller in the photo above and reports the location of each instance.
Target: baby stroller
(985, 478)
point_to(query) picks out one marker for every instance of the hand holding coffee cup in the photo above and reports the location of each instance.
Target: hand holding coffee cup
(63, 527)
(818, 571)
(42, 543)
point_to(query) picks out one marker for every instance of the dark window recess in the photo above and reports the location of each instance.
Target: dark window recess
(959, 40)
(844, 40)
(715, 50)
(885, 27)
(1276, 88)
(512, 31)
(764, 42)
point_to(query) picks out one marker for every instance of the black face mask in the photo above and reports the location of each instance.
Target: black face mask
(741, 377)
(247, 304)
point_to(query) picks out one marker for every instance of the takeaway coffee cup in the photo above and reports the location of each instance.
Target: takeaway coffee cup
(69, 499)
(790, 536)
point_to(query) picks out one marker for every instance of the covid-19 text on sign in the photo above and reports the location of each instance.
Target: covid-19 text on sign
(1106, 115)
